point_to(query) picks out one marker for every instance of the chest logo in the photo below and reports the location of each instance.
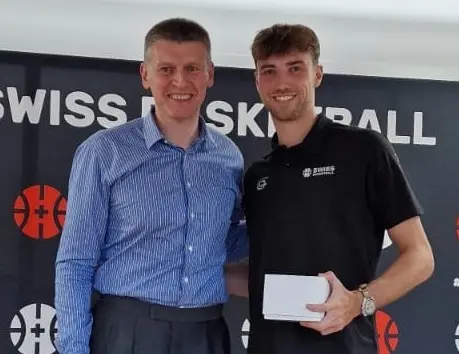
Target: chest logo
(319, 171)
(262, 183)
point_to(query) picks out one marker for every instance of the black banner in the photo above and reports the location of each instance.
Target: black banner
(49, 104)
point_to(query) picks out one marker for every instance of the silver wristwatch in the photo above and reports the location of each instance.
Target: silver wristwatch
(368, 302)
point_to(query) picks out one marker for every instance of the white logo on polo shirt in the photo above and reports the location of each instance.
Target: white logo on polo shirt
(319, 171)
(262, 183)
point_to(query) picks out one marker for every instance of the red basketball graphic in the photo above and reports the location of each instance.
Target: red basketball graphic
(39, 211)
(387, 333)
(457, 227)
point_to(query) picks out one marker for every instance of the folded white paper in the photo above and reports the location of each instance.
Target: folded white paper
(285, 297)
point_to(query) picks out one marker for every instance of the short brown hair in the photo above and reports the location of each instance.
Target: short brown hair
(283, 38)
(177, 30)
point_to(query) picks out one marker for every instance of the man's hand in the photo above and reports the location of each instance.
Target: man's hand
(340, 309)
(237, 278)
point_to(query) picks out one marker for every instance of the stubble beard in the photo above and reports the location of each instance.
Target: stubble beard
(285, 117)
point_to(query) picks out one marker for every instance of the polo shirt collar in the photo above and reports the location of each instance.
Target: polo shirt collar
(311, 142)
(152, 134)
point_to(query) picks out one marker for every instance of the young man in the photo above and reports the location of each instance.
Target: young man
(153, 217)
(319, 204)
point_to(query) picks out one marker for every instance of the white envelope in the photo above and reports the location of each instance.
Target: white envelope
(286, 296)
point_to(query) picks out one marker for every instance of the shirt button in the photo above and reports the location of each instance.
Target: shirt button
(188, 184)
(192, 215)
(190, 248)
(185, 280)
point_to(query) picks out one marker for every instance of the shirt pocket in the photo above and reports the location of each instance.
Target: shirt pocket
(219, 193)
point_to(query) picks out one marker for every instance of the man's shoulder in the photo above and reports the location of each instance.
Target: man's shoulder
(112, 145)
(117, 133)
(347, 130)
(353, 136)
(118, 136)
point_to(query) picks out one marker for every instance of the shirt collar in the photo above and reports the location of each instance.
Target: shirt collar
(152, 134)
(311, 142)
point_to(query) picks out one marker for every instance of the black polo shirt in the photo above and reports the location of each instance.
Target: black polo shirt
(318, 206)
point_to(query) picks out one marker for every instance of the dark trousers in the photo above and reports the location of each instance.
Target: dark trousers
(130, 326)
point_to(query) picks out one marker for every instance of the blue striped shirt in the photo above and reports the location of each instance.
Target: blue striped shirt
(149, 220)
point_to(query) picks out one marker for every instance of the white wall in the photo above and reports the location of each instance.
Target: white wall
(400, 38)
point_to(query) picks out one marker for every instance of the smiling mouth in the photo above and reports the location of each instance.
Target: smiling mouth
(180, 96)
(284, 98)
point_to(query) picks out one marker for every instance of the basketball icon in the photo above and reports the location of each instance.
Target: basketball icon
(457, 227)
(245, 333)
(387, 333)
(34, 329)
(39, 212)
(456, 340)
(387, 240)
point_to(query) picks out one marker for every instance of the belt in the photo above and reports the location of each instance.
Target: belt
(160, 312)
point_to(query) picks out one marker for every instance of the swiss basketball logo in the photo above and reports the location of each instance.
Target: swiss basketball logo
(39, 211)
(33, 329)
(387, 333)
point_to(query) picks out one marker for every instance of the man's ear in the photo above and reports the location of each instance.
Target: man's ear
(255, 75)
(211, 73)
(144, 75)
(319, 74)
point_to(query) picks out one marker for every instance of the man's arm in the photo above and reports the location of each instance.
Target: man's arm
(394, 206)
(237, 245)
(79, 251)
(237, 267)
(237, 278)
(414, 265)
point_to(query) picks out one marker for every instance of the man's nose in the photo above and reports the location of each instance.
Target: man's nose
(179, 78)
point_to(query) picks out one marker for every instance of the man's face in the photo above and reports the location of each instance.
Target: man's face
(178, 75)
(286, 84)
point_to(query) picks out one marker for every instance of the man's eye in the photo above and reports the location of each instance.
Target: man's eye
(166, 70)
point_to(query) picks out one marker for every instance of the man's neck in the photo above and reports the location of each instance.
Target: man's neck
(292, 133)
(178, 132)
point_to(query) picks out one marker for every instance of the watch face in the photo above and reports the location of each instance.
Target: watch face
(369, 307)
